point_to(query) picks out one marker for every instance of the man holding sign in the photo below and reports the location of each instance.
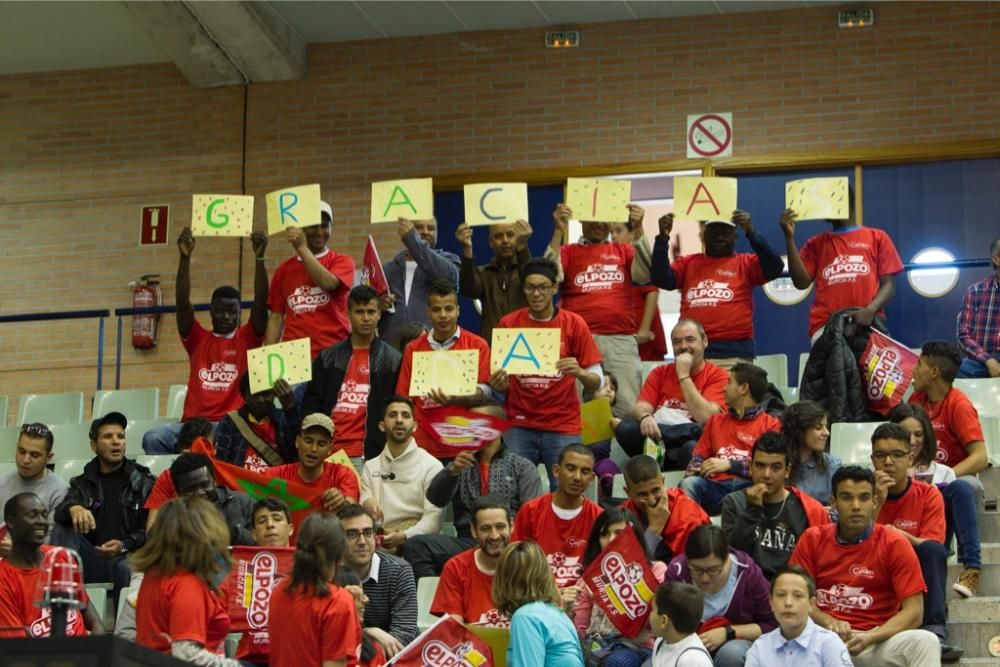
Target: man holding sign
(546, 408)
(717, 286)
(217, 358)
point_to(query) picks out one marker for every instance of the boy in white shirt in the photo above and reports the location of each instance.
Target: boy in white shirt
(677, 610)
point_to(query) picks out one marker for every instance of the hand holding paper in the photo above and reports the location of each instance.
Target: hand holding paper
(293, 207)
(819, 198)
(599, 199)
(289, 360)
(412, 199)
(452, 370)
(525, 351)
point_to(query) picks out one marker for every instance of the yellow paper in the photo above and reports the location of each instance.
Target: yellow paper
(454, 371)
(412, 199)
(495, 203)
(595, 416)
(341, 457)
(289, 360)
(598, 199)
(818, 198)
(222, 215)
(293, 207)
(498, 640)
(525, 351)
(698, 198)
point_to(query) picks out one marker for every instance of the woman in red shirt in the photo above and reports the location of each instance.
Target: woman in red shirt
(180, 610)
(314, 623)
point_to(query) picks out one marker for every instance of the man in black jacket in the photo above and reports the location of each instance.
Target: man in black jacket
(194, 475)
(352, 375)
(102, 516)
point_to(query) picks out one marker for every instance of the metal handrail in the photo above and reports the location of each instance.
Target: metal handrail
(100, 314)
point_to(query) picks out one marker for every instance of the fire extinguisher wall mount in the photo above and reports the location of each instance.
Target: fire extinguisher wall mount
(145, 293)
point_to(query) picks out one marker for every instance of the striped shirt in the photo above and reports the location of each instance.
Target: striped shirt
(392, 597)
(979, 320)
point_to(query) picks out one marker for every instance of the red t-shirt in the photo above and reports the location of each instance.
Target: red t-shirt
(956, 424)
(17, 608)
(216, 364)
(685, 516)
(310, 311)
(547, 402)
(598, 286)
(846, 267)
(655, 349)
(466, 590)
(564, 542)
(863, 584)
(919, 511)
(726, 437)
(718, 292)
(335, 476)
(163, 490)
(466, 341)
(183, 607)
(351, 410)
(662, 390)
(305, 629)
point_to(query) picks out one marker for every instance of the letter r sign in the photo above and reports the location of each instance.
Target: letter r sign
(153, 223)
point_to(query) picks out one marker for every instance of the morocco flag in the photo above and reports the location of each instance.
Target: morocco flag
(447, 643)
(371, 269)
(887, 370)
(623, 583)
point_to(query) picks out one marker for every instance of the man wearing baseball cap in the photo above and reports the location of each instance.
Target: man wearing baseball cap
(102, 516)
(308, 296)
(314, 442)
(717, 286)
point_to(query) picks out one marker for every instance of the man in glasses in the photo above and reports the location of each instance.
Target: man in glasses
(915, 510)
(391, 615)
(546, 408)
(32, 454)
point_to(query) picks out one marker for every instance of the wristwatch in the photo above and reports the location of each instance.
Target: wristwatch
(730, 633)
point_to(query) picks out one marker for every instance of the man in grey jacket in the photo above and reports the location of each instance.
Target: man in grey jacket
(410, 274)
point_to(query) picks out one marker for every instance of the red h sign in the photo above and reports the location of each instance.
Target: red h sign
(153, 227)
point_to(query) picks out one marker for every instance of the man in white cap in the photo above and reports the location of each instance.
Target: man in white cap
(308, 296)
(717, 286)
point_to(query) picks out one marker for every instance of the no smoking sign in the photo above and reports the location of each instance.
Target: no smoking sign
(710, 135)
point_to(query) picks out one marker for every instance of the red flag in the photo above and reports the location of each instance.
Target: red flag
(301, 500)
(887, 370)
(622, 583)
(371, 269)
(447, 643)
(455, 429)
(256, 572)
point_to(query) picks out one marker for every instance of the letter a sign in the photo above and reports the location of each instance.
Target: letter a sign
(525, 351)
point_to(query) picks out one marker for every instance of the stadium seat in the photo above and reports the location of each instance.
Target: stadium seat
(136, 429)
(175, 400)
(51, 408)
(852, 442)
(67, 469)
(776, 366)
(138, 404)
(544, 477)
(648, 366)
(8, 439)
(991, 432)
(803, 358)
(122, 600)
(156, 463)
(426, 588)
(99, 599)
(71, 441)
(4, 404)
(790, 394)
(984, 394)
(449, 530)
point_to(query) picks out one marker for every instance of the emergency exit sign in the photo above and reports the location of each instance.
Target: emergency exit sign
(153, 222)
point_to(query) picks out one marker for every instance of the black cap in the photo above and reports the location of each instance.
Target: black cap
(110, 418)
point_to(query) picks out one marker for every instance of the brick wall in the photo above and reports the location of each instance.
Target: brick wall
(81, 151)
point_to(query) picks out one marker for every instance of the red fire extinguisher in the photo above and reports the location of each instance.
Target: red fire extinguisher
(145, 293)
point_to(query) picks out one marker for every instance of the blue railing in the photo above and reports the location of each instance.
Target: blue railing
(71, 315)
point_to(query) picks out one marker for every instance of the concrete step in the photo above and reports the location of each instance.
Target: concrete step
(993, 662)
(976, 637)
(991, 482)
(989, 581)
(980, 609)
(990, 552)
(989, 527)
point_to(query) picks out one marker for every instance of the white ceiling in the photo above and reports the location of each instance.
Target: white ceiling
(52, 36)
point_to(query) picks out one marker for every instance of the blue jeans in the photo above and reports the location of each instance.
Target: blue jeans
(709, 493)
(163, 439)
(933, 559)
(962, 516)
(971, 368)
(732, 653)
(96, 569)
(539, 447)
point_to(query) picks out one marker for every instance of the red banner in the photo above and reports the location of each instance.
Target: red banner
(457, 429)
(445, 644)
(887, 370)
(301, 500)
(622, 583)
(256, 572)
(371, 269)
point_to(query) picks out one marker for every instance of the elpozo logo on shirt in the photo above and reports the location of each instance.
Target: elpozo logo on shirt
(846, 268)
(306, 299)
(844, 598)
(709, 293)
(625, 589)
(598, 276)
(564, 568)
(218, 377)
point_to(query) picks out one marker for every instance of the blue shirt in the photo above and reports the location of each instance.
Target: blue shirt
(815, 647)
(542, 635)
(812, 482)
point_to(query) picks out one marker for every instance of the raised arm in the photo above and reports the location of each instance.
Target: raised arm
(182, 285)
(659, 271)
(796, 268)
(436, 266)
(258, 311)
(771, 263)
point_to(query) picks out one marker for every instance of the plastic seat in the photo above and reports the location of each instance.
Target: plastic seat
(51, 409)
(123, 600)
(790, 394)
(176, 394)
(984, 394)
(99, 599)
(803, 358)
(776, 366)
(4, 404)
(8, 440)
(136, 429)
(852, 442)
(426, 588)
(991, 433)
(137, 404)
(71, 441)
(67, 469)
(156, 463)
(449, 530)
(648, 366)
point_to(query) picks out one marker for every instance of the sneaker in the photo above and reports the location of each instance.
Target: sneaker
(950, 652)
(967, 582)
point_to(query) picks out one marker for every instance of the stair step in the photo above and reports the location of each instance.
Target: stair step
(981, 609)
(991, 482)
(978, 661)
(989, 527)
(989, 580)
(990, 552)
(975, 637)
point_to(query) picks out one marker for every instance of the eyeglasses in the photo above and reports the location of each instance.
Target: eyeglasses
(537, 289)
(896, 454)
(36, 430)
(353, 535)
(701, 572)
